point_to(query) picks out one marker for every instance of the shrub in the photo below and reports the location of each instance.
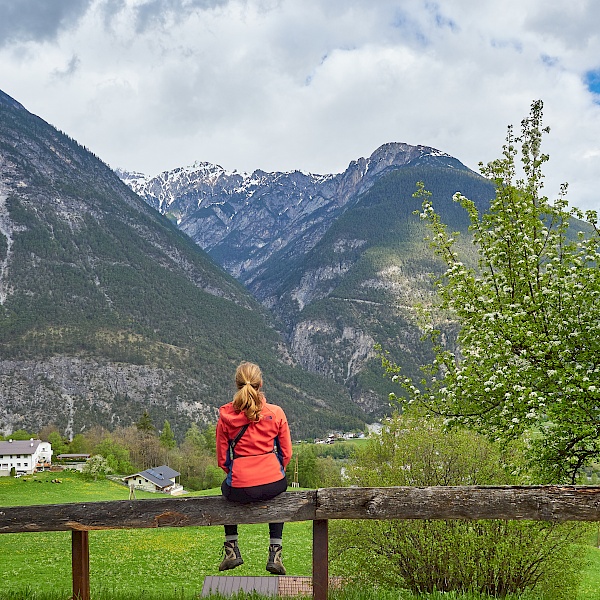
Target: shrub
(494, 557)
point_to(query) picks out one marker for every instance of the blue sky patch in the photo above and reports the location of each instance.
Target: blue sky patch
(509, 43)
(592, 81)
(409, 26)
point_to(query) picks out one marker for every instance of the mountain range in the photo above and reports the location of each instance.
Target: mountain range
(108, 310)
(121, 293)
(248, 221)
(339, 260)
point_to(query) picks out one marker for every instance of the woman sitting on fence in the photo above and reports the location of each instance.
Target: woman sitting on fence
(253, 448)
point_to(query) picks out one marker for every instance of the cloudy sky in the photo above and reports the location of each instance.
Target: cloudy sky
(149, 85)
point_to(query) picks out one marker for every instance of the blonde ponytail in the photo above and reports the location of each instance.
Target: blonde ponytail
(248, 399)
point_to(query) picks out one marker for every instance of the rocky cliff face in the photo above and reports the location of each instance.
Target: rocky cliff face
(77, 393)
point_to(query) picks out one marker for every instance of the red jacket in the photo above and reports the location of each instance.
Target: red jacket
(261, 454)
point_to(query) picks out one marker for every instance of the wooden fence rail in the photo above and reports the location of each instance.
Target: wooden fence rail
(539, 503)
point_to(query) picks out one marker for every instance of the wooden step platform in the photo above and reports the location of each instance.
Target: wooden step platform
(282, 585)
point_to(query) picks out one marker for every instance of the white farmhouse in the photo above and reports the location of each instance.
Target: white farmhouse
(26, 456)
(158, 479)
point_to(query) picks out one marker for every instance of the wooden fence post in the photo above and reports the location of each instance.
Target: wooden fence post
(80, 561)
(320, 559)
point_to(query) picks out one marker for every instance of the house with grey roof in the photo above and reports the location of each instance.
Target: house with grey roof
(25, 456)
(156, 479)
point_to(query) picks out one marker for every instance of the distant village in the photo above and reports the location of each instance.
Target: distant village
(337, 436)
(19, 458)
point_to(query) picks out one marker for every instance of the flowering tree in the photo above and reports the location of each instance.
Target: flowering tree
(96, 466)
(528, 364)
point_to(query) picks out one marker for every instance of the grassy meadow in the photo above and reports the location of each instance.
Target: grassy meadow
(165, 563)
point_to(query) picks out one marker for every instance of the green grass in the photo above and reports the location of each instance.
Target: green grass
(150, 560)
(39, 489)
(165, 563)
(346, 594)
(589, 588)
(168, 562)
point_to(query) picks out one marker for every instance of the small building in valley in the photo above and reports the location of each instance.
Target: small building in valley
(73, 461)
(25, 456)
(157, 479)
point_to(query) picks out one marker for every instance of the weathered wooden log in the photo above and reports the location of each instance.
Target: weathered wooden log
(539, 503)
(544, 503)
(163, 512)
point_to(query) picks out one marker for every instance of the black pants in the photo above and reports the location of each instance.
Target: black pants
(257, 493)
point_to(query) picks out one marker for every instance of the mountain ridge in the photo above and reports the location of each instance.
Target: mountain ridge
(209, 204)
(109, 310)
(344, 267)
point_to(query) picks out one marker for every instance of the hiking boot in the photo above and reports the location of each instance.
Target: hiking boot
(274, 564)
(233, 558)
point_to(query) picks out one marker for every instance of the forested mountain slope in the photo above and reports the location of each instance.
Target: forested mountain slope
(362, 284)
(106, 309)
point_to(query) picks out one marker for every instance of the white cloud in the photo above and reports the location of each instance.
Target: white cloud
(278, 85)
(37, 19)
